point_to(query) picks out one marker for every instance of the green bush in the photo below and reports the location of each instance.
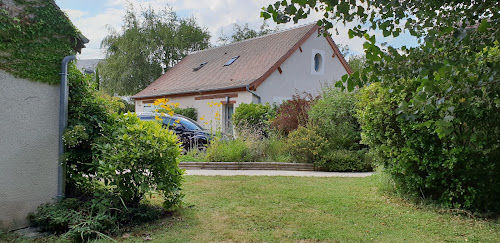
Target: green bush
(85, 219)
(334, 117)
(129, 156)
(187, 112)
(88, 110)
(345, 160)
(136, 157)
(459, 169)
(253, 116)
(305, 145)
(333, 142)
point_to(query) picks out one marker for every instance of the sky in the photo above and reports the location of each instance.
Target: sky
(94, 17)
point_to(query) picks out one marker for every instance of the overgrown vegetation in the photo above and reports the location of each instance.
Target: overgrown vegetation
(113, 161)
(35, 32)
(331, 137)
(253, 117)
(318, 130)
(248, 146)
(430, 113)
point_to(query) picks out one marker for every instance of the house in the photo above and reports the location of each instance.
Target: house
(36, 36)
(88, 66)
(270, 68)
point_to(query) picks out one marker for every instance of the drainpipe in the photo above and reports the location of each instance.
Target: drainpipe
(248, 89)
(63, 122)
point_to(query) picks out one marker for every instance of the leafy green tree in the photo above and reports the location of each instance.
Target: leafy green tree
(243, 32)
(357, 63)
(430, 112)
(150, 44)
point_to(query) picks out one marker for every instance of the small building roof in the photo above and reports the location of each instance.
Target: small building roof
(234, 66)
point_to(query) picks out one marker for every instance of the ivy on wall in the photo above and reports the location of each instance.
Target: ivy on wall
(34, 38)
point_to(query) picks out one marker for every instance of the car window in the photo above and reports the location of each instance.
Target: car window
(170, 122)
(190, 125)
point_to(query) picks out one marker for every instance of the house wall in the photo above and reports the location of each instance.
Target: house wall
(29, 131)
(203, 108)
(298, 72)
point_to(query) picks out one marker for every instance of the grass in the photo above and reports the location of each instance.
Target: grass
(303, 209)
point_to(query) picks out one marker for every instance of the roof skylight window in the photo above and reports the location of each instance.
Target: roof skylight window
(231, 61)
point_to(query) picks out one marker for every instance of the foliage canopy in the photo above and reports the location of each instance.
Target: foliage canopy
(431, 111)
(39, 33)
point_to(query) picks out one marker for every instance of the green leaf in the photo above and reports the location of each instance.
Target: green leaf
(483, 27)
(443, 128)
(350, 33)
(386, 33)
(265, 15)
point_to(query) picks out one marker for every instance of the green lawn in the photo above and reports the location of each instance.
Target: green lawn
(303, 209)
(298, 209)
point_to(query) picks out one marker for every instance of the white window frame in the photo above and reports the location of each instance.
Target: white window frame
(321, 70)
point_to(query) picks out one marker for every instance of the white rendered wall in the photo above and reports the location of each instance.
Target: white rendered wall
(299, 74)
(29, 131)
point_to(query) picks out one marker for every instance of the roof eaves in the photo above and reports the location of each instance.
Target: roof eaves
(188, 92)
(339, 54)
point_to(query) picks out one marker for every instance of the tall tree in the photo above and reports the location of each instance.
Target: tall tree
(150, 44)
(243, 32)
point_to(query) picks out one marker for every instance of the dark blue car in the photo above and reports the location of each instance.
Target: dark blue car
(190, 133)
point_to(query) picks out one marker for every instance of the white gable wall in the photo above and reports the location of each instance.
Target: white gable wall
(299, 72)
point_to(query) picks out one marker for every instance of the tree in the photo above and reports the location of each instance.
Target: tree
(150, 44)
(430, 112)
(357, 63)
(243, 32)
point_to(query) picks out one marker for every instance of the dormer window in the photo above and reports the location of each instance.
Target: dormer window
(231, 61)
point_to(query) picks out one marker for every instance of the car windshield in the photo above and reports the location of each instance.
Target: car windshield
(170, 122)
(189, 124)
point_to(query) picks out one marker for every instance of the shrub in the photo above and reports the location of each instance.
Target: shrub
(228, 151)
(253, 116)
(345, 160)
(187, 112)
(87, 112)
(85, 219)
(449, 154)
(250, 146)
(332, 138)
(293, 113)
(305, 145)
(334, 117)
(136, 157)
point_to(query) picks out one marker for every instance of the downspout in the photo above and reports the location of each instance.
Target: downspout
(248, 89)
(63, 122)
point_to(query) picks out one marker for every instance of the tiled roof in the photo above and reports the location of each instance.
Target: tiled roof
(258, 57)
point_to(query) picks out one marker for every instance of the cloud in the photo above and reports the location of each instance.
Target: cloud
(75, 14)
(215, 15)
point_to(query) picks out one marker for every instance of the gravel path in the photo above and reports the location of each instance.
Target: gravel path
(276, 173)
